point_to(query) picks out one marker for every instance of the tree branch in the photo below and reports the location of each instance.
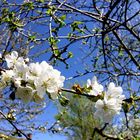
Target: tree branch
(100, 132)
(126, 49)
(18, 130)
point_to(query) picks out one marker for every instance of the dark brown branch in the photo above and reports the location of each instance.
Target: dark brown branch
(6, 47)
(126, 49)
(126, 119)
(86, 13)
(126, 7)
(103, 46)
(118, 24)
(94, 5)
(132, 32)
(111, 9)
(87, 95)
(100, 132)
(77, 93)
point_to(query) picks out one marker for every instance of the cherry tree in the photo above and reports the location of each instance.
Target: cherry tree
(87, 38)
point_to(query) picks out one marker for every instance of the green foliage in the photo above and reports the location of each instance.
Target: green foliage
(63, 100)
(11, 19)
(77, 119)
(70, 55)
(32, 38)
(42, 1)
(137, 138)
(53, 43)
(75, 26)
(28, 5)
(50, 10)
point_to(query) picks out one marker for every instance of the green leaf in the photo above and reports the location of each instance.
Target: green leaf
(58, 116)
(52, 40)
(106, 39)
(32, 38)
(137, 138)
(63, 100)
(78, 22)
(28, 5)
(70, 55)
(63, 17)
(50, 10)
(75, 26)
(5, 11)
(56, 52)
(42, 1)
(121, 53)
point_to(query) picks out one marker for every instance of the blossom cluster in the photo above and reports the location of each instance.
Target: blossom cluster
(31, 81)
(111, 102)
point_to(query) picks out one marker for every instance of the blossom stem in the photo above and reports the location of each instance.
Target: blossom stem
(74, 92)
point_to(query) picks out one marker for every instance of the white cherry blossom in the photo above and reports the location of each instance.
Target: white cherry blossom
(96, 88)
(11, 59)
(49, 81)
(34, 80)
(111, 104)
(7, 75)
(115, 92)
(35, 69)
(21, 70)
(106, 109)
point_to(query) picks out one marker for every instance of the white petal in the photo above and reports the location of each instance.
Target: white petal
(99, 104)
(111, 87)
(54, 95)
(94, 79)
(41, 91)
(88, 83)
(14, 54)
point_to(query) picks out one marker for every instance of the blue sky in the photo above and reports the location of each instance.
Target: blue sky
(48, 136)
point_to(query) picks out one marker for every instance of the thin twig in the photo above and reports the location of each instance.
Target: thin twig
(18, 130)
